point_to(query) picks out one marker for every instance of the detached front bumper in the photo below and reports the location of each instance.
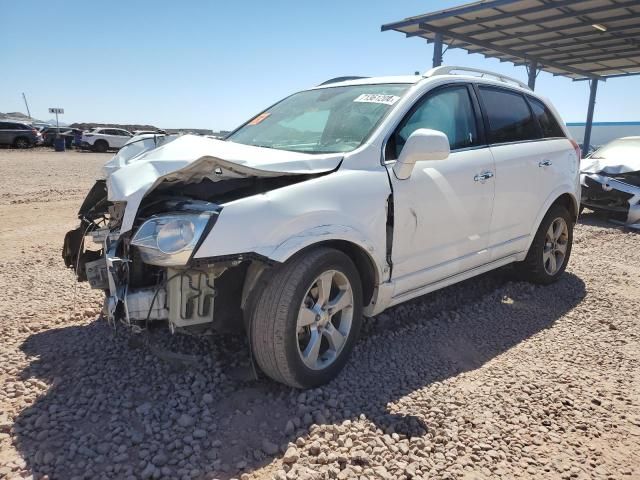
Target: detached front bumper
(183, 297)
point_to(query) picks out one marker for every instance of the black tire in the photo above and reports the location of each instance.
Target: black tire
(273, 317)
(532, 268)
(22, 142)
(100, 146)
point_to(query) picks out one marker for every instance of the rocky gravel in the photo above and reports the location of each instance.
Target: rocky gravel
(491, 378)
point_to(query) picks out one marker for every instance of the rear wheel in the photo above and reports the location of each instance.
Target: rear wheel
(100, 146)
(307, 318)
(551, 247)
(21, 142)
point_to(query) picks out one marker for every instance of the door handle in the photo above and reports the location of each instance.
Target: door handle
(483, 176)
(546, 163)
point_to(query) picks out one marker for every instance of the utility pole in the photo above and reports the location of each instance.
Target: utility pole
(24, 97)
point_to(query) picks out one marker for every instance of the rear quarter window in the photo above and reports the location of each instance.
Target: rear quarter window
(509, 116)
(548, 123)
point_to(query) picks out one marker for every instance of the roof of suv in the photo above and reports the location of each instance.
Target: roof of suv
(437, 73)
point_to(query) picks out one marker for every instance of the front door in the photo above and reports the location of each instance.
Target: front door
(442, 212)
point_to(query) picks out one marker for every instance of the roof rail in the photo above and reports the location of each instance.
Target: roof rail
(448, 69)
(340, 79)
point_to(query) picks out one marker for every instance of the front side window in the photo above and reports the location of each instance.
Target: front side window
(449, 111)
(548, 123)
(326, 120)
(510, 119)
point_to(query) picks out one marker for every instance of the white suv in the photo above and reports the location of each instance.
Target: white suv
(335, 203)
(103, 139)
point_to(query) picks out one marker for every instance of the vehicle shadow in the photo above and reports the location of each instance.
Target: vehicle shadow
(161, 406)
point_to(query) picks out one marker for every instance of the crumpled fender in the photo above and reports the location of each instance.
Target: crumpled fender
(315, 235)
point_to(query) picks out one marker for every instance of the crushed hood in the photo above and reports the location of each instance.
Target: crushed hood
(191, 158)
(610, 166)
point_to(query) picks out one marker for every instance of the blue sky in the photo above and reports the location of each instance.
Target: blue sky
(205, 64)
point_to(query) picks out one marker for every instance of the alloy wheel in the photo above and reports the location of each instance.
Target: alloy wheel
(325, 319)
(555, 246)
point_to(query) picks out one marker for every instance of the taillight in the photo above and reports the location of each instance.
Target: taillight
(576, 147)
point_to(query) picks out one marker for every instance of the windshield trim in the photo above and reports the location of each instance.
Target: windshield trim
(374, 128)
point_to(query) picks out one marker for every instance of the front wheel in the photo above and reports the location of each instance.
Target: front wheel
(306, 320)
(551, 247)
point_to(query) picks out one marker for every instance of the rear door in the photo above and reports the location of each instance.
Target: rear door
(558, 161)
(521, 156)
(442, 212)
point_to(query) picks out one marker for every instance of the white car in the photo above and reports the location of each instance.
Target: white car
(336, 203)
(103, 139)
(610, 179)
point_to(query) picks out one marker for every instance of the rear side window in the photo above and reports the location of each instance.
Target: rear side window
(548, 123)
(509, 116)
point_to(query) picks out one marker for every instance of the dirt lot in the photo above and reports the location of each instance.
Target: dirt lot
(487, 379)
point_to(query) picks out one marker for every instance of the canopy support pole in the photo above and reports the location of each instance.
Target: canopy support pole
(533, 73)
(587, 127)
(437, 50)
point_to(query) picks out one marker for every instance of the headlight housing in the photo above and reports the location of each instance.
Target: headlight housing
(169, 240)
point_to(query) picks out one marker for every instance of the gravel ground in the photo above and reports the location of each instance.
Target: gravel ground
(490, 378)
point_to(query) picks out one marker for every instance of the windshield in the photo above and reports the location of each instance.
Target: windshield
(621, 148)
(327, 120)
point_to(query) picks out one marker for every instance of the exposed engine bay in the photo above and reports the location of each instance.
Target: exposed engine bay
(148, 271)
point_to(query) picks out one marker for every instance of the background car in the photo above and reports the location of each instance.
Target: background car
(610, 179)
(49, 135)
(40, 125)
(102, 139)
(19, 134)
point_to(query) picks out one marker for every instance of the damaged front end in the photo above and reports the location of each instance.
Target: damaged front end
(138, 237)
(616, 196)
(610, 180)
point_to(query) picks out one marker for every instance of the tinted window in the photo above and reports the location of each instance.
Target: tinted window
(510, 119)
(548, 123)
(449, 111)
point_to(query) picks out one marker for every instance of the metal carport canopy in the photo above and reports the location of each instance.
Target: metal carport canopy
(579, 39)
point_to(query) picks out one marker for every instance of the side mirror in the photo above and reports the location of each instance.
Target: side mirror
(423, 144)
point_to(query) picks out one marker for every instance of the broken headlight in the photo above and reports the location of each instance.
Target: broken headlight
(169, 240)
